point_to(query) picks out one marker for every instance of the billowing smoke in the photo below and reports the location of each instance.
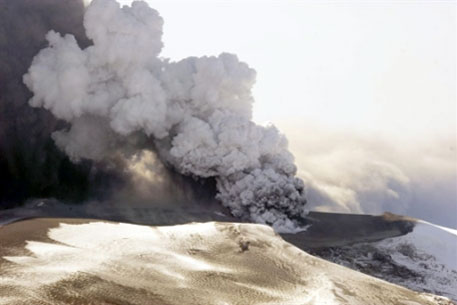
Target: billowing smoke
(30, 164)
(121, 98)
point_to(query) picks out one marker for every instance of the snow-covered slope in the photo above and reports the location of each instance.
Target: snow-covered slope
(57, 261)
(430, 251)
(435, 243)
(424, 259)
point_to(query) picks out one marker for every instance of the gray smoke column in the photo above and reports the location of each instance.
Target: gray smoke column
(195, 113)
(30, 164)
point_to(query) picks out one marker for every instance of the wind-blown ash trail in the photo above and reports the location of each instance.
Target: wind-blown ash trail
(120, 97)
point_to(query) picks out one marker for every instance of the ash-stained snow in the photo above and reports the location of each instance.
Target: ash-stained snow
(423, 260)
(430, 251)
(57, 261)
(430, 240)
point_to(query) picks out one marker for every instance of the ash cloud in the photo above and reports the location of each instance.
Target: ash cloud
(119, 98)
(31, 164)
(353, 172)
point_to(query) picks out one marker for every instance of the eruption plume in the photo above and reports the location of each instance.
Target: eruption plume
(30, 164)
(119, 96)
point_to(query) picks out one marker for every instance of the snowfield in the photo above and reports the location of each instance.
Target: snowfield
(423, 260)
(79, 261)
(430, 251)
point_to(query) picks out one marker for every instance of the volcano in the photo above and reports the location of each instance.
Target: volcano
(86, 255)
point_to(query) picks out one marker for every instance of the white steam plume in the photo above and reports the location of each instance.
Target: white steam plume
(197, 110)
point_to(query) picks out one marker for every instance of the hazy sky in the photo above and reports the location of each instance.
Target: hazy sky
(388, 65)
(378, 78)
